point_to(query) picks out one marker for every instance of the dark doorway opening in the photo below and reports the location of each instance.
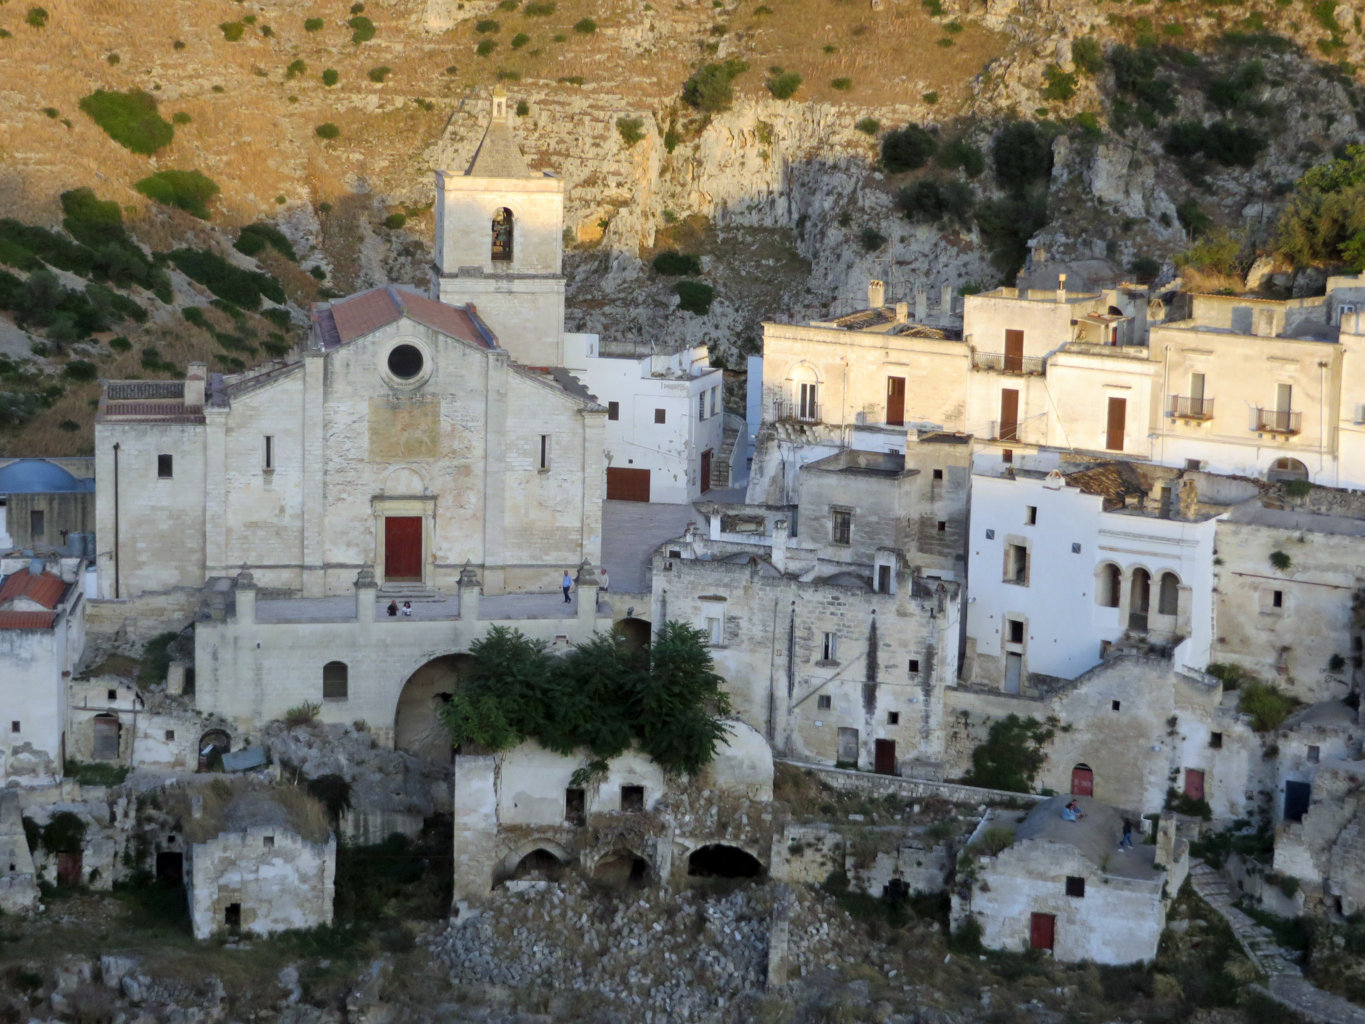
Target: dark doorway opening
(170, 867)
(721, 861)
(212, 746)
(1296, 798)
(538, 865)
(621, 868)
(635, 631)
(232, 918)
(69, 868)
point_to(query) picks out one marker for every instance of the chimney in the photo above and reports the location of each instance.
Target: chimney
(945, 300)
(1263, 322)
(921, 306)
(470, 589)
(1020, 287)
(1165, 841)
(902, 312)
(195, 376)
(876, 294)
(1061, 287)
(366, 587)
(780, 535)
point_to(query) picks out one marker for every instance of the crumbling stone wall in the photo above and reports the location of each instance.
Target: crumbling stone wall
(275, 878)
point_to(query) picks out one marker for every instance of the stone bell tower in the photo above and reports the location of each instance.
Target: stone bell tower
(499, 244)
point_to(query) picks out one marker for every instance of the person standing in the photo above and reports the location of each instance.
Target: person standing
(567, 584)
(1126, 843)
(606, 580)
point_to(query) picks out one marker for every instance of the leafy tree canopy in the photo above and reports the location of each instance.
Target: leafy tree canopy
(602, 697)
(1324, 219)
(1011, 756)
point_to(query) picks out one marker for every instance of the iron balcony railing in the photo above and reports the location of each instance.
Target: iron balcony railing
(1004, 362)
(1004, 431)
(1276, 421)
(804, 412)
(1185, 408)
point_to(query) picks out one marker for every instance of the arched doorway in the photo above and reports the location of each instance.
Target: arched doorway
(417, 727)
(1082, 781)
(540, 865)
(212, 746)
(1284, 470)
(720, 860)
(1139, 600)
(621, 868)
(635, 631)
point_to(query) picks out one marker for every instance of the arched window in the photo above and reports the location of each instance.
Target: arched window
(1107, 585)
(335, 681)
(805, 395)
(1283, 470)
(1168, 597)
(1139, 599)
(502, 236)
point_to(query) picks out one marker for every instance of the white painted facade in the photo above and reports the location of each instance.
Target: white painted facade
(1080, 587)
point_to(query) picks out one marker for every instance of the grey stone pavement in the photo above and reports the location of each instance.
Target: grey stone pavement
(633, 530)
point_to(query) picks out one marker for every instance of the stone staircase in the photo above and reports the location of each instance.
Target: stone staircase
(722, 473)
(1285, 982)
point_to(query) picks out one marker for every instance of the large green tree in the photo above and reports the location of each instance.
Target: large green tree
(1324, 220)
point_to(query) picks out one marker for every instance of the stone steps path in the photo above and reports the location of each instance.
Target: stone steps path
(1285, 981)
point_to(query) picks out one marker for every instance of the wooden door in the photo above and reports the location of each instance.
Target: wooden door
(106, 735)
(1009, 414)
(627, 484)
(884, 757)
(403, 548)
(69, 868)
(1194, 784)
(706, 470)
(848, 746)
(1042, 930)
(895, 401)
(1014, 351)
(1118, 416)
(1082, 781)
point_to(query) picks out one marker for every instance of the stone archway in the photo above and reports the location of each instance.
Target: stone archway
(635, 631)
(621, 868)
(721, 860)
(417, 728)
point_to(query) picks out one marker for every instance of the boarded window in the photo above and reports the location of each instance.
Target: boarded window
(106, 736)
(613, 410)
(1075, 886)
(335, 681)
(633, 798)
(1168, 596)
(36, 525)
(1314, 753)
(660, 416)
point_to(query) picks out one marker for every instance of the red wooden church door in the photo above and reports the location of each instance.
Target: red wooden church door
(403, 548)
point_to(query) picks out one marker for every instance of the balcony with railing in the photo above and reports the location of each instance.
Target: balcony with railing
(1183, 407)
(801, 412)
(1276, 421)
(1007, 362)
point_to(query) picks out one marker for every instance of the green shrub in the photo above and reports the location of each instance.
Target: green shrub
(677, 264)
(907, 149)
(120, 344)
(36, 17)
(278, 316)
(783, 85)
(394, 221)
(519, 40)
(1087, 55)
(871, 239)
(539, 9)
(1267, 705)
(486, 47)
(130, 119)
(1182, 803)
(933, 202)
(487, 25)
(327, 130)
(1222, 142)
(81, 370)
(1011, 756)
(994, 840)
(523, 108)
(631, 130)
(1022, 155)
(711, 87)
(1280, 560)
(694, 297)
(362, 29)
(253, 238)
(190, 191)
(1320, 222)
(330, 77)
(841, 84)
(65, 833)
(295, 68)
(380, 73)
(240, 287)
(930, 97)
(180, 117)
(1146, 96)
(233, 30)
(312, 24)
(585, 26)
(1144, 269)
(1061, 85)
(959, 154)
(301, 714)
(195, 315)
(868, 126)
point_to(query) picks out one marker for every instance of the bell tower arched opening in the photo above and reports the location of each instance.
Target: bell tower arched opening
(502, 236)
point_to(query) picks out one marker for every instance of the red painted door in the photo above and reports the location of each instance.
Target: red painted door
(895, 401)
(1042, 930)
(1009, 414)
(403, 548)
(69, 868)
(1118, 416)
(1194, 784)
(706, 471)
(885, 757)
(1082, 781)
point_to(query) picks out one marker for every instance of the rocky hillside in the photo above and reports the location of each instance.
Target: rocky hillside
(1145, 125)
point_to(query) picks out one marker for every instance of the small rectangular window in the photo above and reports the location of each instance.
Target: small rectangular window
(1313, 754)
(575, 807)
(701, 405)
(170, 735)
(14, 727)
(914, 666)
(1114, 705)
(268, 454)
(660, 416)
(1194, 465)
(715, 630)
(1216, 740)
(111, 694)
(613, 410)
(544, 452)
(1075, 886)
(1016, 631)
(1277, 599)
(164, 465)
(822, 703)
(829, 649)
(36, 524)
(715, 399)
(1016, 564)
(942, 526)
(938, 474)
(1007, 456)
(841, 526)
(633, 798)
(268, 842)
(1030, 515)
(893, 718)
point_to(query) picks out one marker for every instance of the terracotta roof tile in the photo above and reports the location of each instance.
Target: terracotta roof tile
(27, 620)
(45, 589)
(362, 314)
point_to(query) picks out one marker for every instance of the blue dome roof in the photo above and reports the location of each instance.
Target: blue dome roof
(38, 476)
